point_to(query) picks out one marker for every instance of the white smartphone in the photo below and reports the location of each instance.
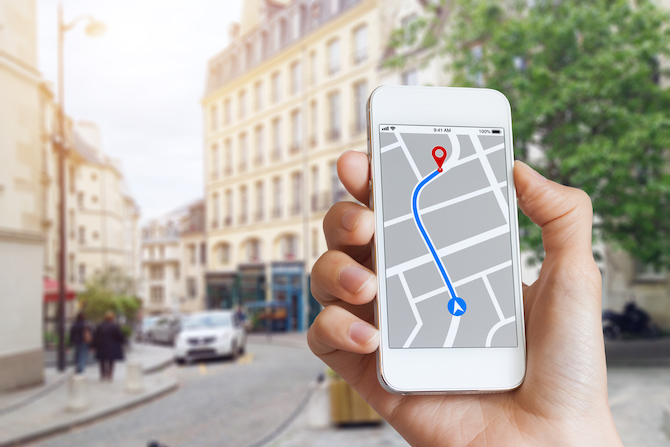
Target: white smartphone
(449, 305)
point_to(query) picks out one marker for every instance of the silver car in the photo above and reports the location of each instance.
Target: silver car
(209, 335)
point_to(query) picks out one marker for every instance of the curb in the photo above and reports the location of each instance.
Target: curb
(297, 344)
(93, 416)
(151, 369)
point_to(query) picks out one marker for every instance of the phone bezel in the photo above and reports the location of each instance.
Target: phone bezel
(422, 371)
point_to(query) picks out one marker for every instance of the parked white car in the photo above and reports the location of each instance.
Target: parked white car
(209, 335)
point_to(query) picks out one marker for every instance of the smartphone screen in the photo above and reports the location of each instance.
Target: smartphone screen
(447, 241)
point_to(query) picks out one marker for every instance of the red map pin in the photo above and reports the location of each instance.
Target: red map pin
(439, 154)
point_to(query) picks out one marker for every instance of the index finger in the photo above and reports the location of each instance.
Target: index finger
(353, 169)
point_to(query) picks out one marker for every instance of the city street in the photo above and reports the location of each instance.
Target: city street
(219, 403)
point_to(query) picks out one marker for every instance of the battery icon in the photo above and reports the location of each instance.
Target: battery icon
(495, 131)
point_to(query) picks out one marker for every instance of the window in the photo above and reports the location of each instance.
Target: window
(224, 254)
(333, 56)
(72, 224)
(229, 157)
(244, 204)
(215, 162)
(229, 207)
(216, 211)
(296, 131)
(260, 145)
(249, 53)
(203, 253)
(313, 123)
(253, 250)
(283, 32)
(227, 112)
(265, 48)
(315, 188)
(277, 191)
(295, 78)
(82, 273)
(260, 200)
(360, 44)
(258, 96)
(242, 104)
(192, 254)
(276, 139)
(157, 294)
(276, 87)
(243, 151)
(73, 179)
(335, 118)
(161, 252)
(191, 287)
(336, 188)
(82, 235)
(156, 272)
(176, 272)
(312, 67)
(296, 189)
(333, 6)
(295, 24)
(315, 243)
(289, 246)
(410, 77)
(360, 97)
(213, 117)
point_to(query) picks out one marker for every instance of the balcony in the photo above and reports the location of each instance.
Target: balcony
(360, 56)
(295, 149)
(258, 160)
(276, 212)
(229, 170)
(244, 217)
(242, 166)
(332, 68)
(215, 224)
(258, 215)
(228, 221)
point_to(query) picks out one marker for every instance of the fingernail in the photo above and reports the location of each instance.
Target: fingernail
(362, 333)
(351, 217)
(353, 279)
(530, 170)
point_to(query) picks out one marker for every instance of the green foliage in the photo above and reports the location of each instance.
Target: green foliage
(582, 79)
(110, 291)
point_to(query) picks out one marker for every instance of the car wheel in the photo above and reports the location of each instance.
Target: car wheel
(243, 349)
(234, 352)
(180, 360)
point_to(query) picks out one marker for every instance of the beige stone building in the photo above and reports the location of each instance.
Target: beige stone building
(281, 103)
(21, 197)
(173, 261)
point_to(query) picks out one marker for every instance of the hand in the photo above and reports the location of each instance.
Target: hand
(563, 400)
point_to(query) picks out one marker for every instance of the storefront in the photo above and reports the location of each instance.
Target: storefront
(222, 290)
(287, 288)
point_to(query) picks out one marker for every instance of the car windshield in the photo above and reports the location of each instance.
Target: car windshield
(207, 321)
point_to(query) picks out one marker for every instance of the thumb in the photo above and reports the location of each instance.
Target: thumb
(565, 214)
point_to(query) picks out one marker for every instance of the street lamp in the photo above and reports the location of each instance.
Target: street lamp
(94, 28)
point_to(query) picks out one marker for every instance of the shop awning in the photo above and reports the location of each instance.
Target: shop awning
(51, 291)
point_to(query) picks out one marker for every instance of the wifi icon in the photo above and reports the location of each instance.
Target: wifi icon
(392, 127)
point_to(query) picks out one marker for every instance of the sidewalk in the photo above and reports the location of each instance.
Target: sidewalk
(49, 414)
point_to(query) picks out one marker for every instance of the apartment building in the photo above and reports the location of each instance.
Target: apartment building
(282, 102)
(173, 261)
(21, 198)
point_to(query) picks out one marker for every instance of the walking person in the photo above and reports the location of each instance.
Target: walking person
(108, 341)
(81, 337)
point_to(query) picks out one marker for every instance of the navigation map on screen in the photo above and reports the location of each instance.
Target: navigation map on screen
(447, 240)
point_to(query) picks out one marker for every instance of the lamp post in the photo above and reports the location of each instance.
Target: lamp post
(94, 28)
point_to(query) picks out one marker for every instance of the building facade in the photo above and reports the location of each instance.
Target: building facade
(173, 261)
(21, 197)
(282, 102)
(102, 217)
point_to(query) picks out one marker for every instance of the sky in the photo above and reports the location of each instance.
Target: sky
(141, 82)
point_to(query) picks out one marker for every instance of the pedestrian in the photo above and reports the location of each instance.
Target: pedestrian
(81, 337)
(108, 341)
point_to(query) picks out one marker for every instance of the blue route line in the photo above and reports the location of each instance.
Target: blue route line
(415, 209)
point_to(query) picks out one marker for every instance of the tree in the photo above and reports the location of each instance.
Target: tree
(584, 82)
(110, 290)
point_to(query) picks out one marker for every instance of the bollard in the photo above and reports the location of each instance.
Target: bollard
(134, 377)
(77, 393)
(666, 420)
(319, 407)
